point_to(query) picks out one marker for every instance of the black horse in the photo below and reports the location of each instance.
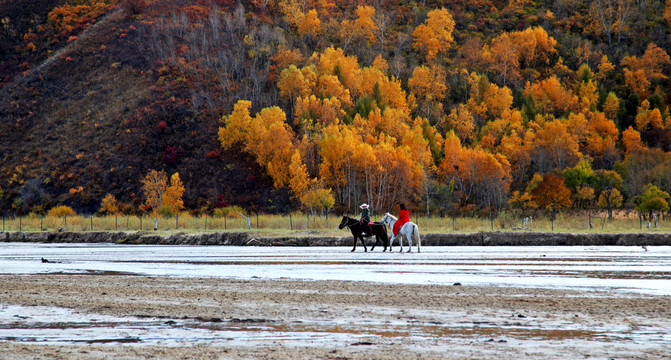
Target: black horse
(360, 231)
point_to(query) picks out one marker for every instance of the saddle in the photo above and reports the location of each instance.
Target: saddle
(367, 231)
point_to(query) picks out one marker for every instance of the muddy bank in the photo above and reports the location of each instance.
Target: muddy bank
(270, 319)
(495, 238)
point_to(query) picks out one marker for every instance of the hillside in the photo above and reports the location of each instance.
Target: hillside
(442, 105)
(77, 126)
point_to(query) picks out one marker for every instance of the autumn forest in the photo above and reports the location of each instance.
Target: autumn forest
(467, 106)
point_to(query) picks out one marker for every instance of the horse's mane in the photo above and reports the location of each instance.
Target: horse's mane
(392, 216)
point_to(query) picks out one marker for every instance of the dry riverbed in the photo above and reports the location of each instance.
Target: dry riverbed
(293, 319)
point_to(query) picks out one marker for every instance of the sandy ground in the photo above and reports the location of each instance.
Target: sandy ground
(378, 321)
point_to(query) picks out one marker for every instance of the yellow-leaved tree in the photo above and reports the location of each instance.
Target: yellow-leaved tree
(267, 137)
(154, 185)
(435, 35)
(319, 199)
(310, 24)
(109, 205)
(428, 85)
(299, 181)
(172, 197)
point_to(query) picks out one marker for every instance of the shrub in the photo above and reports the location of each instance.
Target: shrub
(213, 155)
(166, 211)
(37, 211)
(60, 211)
(172, 155)
(134, 7)
(229, 211)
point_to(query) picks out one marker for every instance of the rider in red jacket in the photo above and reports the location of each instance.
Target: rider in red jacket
(403, 217)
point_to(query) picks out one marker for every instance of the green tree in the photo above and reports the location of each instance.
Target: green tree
(653, 199)
(578, 176)
(320, 199)
(608, 184)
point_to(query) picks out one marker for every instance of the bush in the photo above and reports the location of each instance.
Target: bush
(60, 211)
(229, 211)
(37, 211)
(134, 7)
(166, 211)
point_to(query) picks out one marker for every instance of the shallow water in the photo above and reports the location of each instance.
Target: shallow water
(54, 325)
(620, 269)
(613, 271)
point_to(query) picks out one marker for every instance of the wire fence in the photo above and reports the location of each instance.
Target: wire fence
(323, 224)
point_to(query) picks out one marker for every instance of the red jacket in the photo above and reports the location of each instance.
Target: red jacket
(403, 217)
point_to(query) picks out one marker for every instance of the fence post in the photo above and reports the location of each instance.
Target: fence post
(140, 222)
(205, 221)
(3, 222)
(91, 222)
(20, 223)
(116, 222)
(225, 222)
(257, 219)
(491, 218)
(176, 221)
(291, 224)
(41, 221)
(65, 220)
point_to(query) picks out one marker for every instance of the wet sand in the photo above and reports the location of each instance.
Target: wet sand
(372, 320)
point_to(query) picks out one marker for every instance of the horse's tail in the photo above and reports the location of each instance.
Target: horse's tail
(415, 234)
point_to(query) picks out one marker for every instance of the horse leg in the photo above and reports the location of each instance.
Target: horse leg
(377, 239)
(419, 240)
(409, 236)
(364, 244)
(354, 248)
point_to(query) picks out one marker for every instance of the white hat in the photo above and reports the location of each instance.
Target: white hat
(364, 205)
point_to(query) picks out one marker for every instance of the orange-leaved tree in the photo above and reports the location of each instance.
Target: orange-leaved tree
(552, 97)
(647, 119)
(602, 139)
(639, 73)
(631, 140)
(552, 195)
(555, 146)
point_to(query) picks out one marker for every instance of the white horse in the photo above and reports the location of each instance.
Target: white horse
(409, 231)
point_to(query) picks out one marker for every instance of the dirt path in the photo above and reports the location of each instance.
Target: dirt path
(352, 319)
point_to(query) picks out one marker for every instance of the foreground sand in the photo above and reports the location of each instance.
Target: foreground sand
(503, 323)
